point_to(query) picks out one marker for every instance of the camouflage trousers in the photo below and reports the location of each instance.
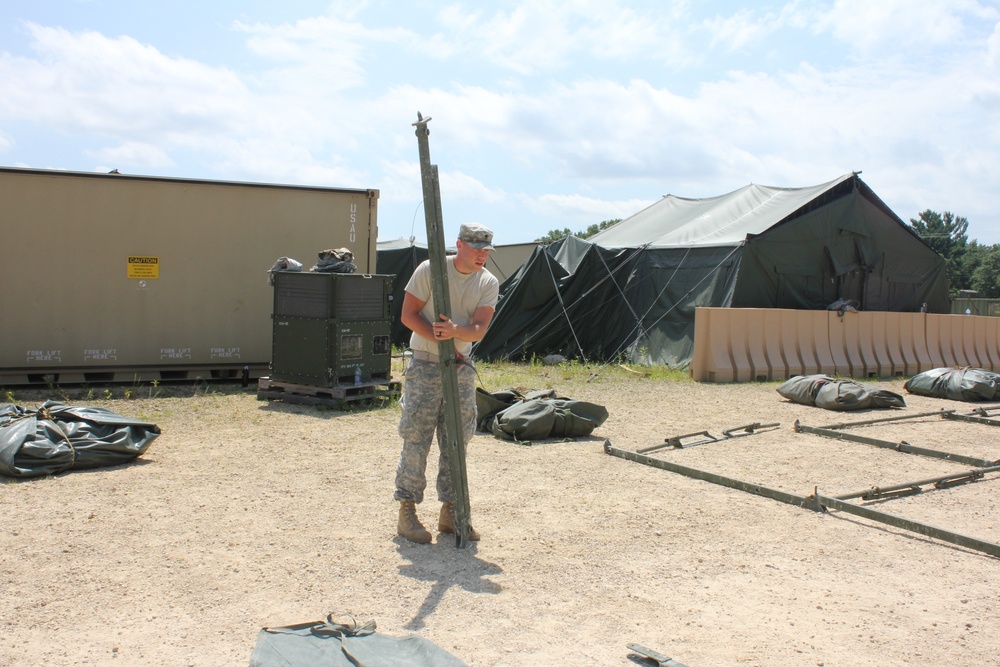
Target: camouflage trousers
(423, 415)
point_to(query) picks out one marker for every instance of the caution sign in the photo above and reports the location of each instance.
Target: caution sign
(144, 267)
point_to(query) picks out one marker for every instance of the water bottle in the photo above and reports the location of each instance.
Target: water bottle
(357, 376)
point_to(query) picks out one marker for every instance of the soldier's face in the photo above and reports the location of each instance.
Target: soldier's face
(469, 259)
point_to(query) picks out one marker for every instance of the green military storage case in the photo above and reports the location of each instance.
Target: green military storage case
(328, 326)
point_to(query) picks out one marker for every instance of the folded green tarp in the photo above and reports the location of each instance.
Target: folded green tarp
(56, 437)
(830, 393)
(958, 384)
(331, 644)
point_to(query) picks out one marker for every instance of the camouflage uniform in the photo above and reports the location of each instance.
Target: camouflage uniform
(423, 414)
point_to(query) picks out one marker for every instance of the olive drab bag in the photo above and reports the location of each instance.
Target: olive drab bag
(537, 415)
(830, 393)
(957, 384)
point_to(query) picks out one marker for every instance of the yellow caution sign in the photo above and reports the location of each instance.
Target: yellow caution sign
(144, 267)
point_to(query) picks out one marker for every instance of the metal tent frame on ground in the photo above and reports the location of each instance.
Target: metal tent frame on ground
(821, 503)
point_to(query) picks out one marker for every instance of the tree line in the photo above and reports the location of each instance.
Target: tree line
(970, 265)
(556, 234)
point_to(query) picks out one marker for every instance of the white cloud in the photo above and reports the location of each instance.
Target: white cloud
(737, 30)
(458, 185)
(272, 159)
(572, 111)
(86, 81)
(148, 105)
(796, 128)
(993, 48)
(134, 154)
(318, 54)
(889, 25)
(550, 35)
(400, 181)
(403, 180)
(584, 210)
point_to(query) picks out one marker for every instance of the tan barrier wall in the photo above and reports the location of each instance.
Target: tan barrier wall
(760, 344)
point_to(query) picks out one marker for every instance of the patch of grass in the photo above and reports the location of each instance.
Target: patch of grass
(535, 374)
(528, 375)
(113, 393)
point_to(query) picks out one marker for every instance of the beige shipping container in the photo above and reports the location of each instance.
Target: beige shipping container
(120, 278)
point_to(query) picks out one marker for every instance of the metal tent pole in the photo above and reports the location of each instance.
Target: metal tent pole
(446, 348)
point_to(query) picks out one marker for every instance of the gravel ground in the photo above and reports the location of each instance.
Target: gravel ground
(248, 513)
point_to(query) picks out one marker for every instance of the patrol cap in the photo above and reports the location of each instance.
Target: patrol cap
(476, 235)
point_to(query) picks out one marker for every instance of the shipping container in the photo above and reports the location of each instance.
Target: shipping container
(121, 278)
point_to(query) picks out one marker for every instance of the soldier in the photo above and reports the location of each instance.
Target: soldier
(473, 293)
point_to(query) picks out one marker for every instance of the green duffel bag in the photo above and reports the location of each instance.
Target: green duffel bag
(543, 418)
(489, 404)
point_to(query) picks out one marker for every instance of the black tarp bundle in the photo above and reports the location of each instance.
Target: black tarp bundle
(55, 438)
(630, 292)
(830, 393)
(957, 384)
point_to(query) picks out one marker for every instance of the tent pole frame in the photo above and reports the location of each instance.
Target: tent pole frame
(836, 433)
(446, 348)
(815, 502)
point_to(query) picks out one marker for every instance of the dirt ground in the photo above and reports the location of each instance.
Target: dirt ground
(248, 513)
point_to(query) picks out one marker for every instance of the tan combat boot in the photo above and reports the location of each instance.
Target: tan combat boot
(446, 522)
(409, 525)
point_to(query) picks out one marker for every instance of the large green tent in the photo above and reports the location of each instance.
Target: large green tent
(630, 292)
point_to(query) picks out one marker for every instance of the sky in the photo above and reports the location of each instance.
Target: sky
(546, 114)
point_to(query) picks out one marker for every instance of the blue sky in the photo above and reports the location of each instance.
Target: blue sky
(546, 114)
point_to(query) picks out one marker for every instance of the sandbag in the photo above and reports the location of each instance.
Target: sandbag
(56, 437)
(957, 384)
(830, 393)
(331, 644)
